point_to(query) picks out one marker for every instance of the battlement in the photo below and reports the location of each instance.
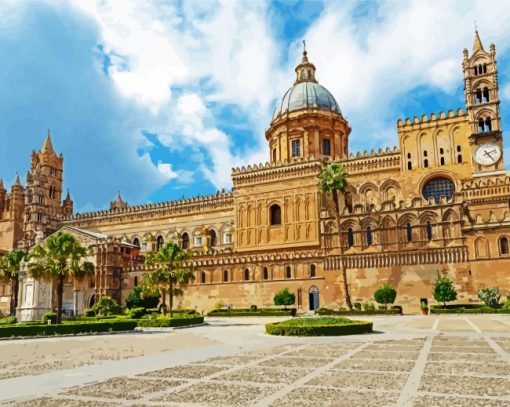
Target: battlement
(432, 120)
(219, 199)
(381, 160)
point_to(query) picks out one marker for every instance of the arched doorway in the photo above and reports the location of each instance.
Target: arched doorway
(313, 298)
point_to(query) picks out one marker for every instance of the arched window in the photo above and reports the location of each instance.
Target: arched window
(313, 270)
(288, 272)
(135, 282)
(212, 235)
(246, 275)
(136, 242)
(275, 214)
(484, 68)
(488, 124)
(478, 96)
(425, 159)
(481, 126)
(265, 273)
(348, 201)
(441, 161)
(409, 232)
(369, 236)
(350, 237)
(476, 70)
(159, 242)
(185, 240)
(503, 246)
(409, 165)
(225, 276)
(429, 231)
(438, 187)
(296, 148)
(326, 147)
(485, 94)
(202, 278)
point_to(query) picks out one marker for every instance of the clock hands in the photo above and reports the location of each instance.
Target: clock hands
(489, 153)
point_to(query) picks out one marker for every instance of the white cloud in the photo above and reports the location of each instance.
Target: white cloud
(165, 169)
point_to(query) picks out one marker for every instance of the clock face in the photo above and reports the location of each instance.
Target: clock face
(487, 154)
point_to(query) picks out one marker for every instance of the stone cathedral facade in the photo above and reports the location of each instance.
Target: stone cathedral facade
(439, 202)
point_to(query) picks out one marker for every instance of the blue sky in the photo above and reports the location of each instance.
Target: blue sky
(160, 99)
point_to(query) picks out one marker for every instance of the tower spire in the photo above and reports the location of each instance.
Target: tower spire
(477, 44)
(48, 145)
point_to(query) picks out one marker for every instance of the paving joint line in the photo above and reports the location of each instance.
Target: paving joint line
(472, 324)
(498, 349)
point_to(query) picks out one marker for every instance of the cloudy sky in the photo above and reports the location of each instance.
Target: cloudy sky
(160, 99)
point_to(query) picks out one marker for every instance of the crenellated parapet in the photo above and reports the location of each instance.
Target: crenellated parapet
(430, 121)
(495, 187)
(219, 200)
(373, 161)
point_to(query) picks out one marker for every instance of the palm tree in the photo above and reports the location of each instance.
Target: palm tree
(59, 258)
(171, 271)
(333, 179)
(9, 273)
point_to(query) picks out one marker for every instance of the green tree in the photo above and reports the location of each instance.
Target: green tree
(140, 299)
(490, 296)
(284, 297)
(333, 179)
(59, 258)
(9, 274)
(385, 295)
(444, 290)
(171, 274)
(106, 306)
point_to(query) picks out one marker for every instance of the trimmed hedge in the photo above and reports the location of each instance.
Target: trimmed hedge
(67, 328)
(170, 322)
(268, 312)
(322, 326)
(392, 311)
(477, 310)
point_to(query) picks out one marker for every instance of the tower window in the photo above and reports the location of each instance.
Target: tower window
(350, 237)
(225, 276)
(409, 165)
(488, 124)
(481, 126)
(214, 239)
(503, 245)
(476, 70)
(275, 214)
(409, 232)
(441, 161)
(326, 147)
(484, 68)
(296, 148)
(485, 94)
(459, 155)
(246, 275)
(265, 274)
(425, 160)
(369, 236)
(288, 272)
(135, 281)
(478, 96)
(429, 231)
(409, 156)
(313, 270)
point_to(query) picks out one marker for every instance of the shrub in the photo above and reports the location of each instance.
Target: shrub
(444, 291)
(284, 297)
(248, 313)
(506, 304)
(253, 308)
(137, 313)
(385, 295)
(368, 306)
(322, 326)
(490, 296)
(106, 306)
(357, 306)
(219, 305)
(394, 311)
(49, 316)
(89, 312)
(137, 299)
(170, 322)
(9, 320)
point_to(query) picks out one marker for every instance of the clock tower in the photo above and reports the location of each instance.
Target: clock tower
(482, 105)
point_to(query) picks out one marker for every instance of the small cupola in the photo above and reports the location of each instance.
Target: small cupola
(305, 71)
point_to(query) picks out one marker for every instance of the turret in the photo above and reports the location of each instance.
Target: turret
(67, 205)
(3, 193)
(118, 203)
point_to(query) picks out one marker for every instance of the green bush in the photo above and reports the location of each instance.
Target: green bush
(67, 328)
(284, 297)
(396, 310)
(49, 316)
(170, 322)
(385, 295)
(136, 299)
(322, 326)
(253, 308)
(8, 320)
(357, 306)
(490, 296)
(477, 310)
(89, 312)
(444, 290)
(368, 306)
(248, 313)
(106, 306)
(137, 313)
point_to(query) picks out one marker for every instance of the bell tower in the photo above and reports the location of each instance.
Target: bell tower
(482, 105)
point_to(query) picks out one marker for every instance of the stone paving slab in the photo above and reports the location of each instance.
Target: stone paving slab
(492, 369)
(304, 363)
(363, 380)
(386, 355)
(228, 360)
(59, 402)
(462, 385)
(464, 357)
(448, 401)
(379, 365)
(261, 374)
(194, 371)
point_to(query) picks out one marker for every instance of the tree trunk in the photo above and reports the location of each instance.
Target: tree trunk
(171, 298)
(14, 295)
(60, 295)
(163, 301)
(342, 262)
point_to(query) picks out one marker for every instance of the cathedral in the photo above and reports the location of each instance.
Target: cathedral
(437, 203)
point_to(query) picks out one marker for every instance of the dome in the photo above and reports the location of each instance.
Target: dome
(306, 95)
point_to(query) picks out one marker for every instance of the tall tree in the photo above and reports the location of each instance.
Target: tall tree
(171, 271)
(9, 274)
(59, 258)
(333, 179)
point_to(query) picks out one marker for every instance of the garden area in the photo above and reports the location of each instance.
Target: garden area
(319, 326)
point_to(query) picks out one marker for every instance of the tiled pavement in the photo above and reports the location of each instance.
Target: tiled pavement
(437, 368)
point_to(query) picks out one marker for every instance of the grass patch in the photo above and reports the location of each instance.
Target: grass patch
(321, 326)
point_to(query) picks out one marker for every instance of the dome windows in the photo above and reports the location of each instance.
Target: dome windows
(296, 148)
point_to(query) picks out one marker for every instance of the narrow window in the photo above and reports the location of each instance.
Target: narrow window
(481, 126)
(274, 155)
(136, 242)
(441, 150)
(409, 165)
(185, 241)
(313, 270)
(369, 236)
(429, 231)
(484, 68)
(425, 160)
(478, 96)
(485, 94)
(212, 235)
(350, 237)
(326, 147)
(476, 70)
(246, 275)
(275, 215)
(409, 232)
(503, 245)
(225, 276)
(135, 281)
(288, 272)
(203, 278)
(488, 124)
(441, 161)
(296, 148)
(409, 155)
(159, 242)
(459, 154)
(265, 273)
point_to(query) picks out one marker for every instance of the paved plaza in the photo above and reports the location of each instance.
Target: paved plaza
(408, 361)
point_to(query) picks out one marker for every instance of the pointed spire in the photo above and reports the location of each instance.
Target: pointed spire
(68, 195)
(2, 184)
(119, 197)
(48, 146)
(477, 45)
(17, 182)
